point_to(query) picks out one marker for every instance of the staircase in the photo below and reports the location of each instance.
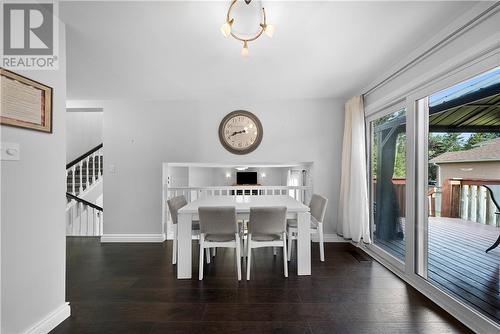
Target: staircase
(84, 171)
(84, 212)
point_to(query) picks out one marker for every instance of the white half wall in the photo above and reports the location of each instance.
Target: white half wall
(83, 132)
(140, 135)
(33, 233)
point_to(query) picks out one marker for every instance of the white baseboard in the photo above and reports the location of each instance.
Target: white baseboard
(51, 321)
(329, 237)
(160, 237)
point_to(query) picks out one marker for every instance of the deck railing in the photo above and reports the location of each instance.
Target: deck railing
(457, 198)
(466, 199)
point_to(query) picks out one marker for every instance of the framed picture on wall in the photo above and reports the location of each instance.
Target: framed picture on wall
(25, 103)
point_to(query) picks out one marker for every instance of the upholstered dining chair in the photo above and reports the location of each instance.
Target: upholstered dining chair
(266, 228)
(318, 209)
(219, 228)
(174, 204)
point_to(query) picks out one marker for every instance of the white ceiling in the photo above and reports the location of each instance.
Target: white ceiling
(174, 50)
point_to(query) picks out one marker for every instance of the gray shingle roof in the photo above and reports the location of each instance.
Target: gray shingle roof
(486, 151)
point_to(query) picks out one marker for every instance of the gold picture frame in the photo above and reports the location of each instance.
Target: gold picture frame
(25, 103)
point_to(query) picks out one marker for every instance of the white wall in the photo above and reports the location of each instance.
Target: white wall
(83, 132)
(33, 235)
(139, 136)
(179, 176)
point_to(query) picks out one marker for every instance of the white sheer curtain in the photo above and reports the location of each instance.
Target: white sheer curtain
(353, 221)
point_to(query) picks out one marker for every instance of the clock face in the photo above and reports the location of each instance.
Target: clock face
(240, 132)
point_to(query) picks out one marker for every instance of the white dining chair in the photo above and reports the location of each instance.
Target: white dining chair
(266, 228)
(218, 228)
(317, 207)
(174, 204)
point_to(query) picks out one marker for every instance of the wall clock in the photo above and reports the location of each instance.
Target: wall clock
(240, 132)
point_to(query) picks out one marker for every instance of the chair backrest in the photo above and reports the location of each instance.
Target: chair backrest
(495, 194)
(218, 220)
(318, 207)
(267, 220)
(174, 204)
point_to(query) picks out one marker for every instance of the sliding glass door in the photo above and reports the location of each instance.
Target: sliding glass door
(388, 181)
(458, 202)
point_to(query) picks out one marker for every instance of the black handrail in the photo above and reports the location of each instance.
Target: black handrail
(78, 199)
(83, 156)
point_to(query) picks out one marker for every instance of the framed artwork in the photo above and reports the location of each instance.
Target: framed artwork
(25, 103)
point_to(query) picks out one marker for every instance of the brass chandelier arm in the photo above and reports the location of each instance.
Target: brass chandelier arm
(231, 21)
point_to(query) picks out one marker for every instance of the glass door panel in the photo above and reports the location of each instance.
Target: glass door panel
(463, 156)
(388, 182)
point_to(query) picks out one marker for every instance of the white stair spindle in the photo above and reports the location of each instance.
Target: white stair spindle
(101, 219)
(98, 155)
(87, 211)
(81, 176)
(73, 180)
(94, 176)
(87, 183)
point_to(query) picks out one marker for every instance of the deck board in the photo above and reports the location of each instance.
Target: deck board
(458, 263)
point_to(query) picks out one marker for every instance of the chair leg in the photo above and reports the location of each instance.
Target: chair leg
(321, 243)
(249, 255)
(207, 252)
(200, 276)
(242, 248)
(238, 256)
(245, 247)
(289, 245)
(285, 260)
(174, 249)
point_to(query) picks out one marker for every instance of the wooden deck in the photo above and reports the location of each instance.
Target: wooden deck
(458, 263)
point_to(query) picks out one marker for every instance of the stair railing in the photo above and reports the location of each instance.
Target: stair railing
(83, 217)
(84, 171)
(86, 218)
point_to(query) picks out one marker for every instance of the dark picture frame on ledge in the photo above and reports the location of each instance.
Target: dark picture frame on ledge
(25, 103)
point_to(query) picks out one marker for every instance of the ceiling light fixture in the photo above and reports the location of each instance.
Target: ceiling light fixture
(227, 31)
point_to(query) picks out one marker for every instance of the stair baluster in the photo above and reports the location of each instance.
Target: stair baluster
(73, 171)
(87, 183)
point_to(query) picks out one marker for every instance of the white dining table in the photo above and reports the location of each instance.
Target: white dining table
(295, 210)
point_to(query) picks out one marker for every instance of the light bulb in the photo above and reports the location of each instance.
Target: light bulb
(270, 29)
(226, 29)
(244, 51)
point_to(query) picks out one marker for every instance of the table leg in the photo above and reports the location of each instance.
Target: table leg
(304, 243)
(184, 245)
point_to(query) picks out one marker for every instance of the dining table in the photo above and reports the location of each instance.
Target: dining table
(242, 204)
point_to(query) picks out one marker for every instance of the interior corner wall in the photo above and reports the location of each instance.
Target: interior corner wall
(33, 235)
(140, 135)
(83, 132)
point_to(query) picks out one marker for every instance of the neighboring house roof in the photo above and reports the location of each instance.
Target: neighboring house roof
(486, 151)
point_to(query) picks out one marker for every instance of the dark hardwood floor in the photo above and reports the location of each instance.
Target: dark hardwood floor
(131, 288)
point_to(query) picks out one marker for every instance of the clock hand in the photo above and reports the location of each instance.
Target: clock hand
(237, 132)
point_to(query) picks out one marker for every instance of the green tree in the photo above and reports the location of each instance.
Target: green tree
(400, 158)
(477, 138)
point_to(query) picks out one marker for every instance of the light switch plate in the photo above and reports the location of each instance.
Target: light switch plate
(10, 152)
